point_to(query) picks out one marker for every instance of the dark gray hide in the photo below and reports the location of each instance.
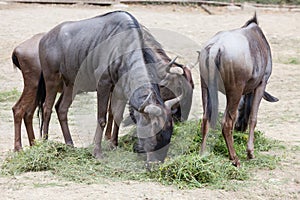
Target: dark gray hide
(98, 54)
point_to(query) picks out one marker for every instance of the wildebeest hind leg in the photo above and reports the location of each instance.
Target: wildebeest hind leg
(29, 128)
(117, 110)
(258, 94)
(62, 107)
(18, 112)
(205, 124)
(233, 100)
(24, 109)
(52, 81)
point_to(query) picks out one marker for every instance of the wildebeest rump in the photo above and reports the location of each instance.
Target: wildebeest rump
(102, 53)
(237, 63)
(26, 57)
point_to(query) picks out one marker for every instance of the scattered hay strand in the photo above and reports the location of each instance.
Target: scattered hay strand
(184, 167)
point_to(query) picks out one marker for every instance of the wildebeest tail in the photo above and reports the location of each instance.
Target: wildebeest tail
(40, 99)
(268, 97)
(213, 74)
(244, 112)
(245, 109)
(15, 60)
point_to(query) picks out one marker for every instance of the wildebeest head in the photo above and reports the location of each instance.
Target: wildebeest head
(155, 126)
(178, 81)
(174, 79)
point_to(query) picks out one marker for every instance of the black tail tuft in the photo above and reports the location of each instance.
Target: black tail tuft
(268, 97)
(15, 60)
(40, 99)
(244, 113)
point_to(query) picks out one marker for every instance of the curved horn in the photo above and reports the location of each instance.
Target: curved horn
(171, 102)
(172, 61)
(153, 109)
(145, 102)
(170, 64)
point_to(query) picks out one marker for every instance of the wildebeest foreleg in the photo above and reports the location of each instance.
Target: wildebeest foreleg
(52, 84)
(233, 100)
(205, 124)
(62, 107)
(258, 94)
(117, 110)
(103, 94)
(110, 122)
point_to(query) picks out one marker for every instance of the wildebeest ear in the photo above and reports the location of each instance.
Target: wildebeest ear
(176, 70)
(153, 109)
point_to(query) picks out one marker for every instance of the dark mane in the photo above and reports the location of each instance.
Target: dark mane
(151, 43)
(136, 23)
(253, 20)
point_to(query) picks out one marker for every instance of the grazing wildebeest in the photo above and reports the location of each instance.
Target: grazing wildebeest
(26, 57)
(99, 54)
(237, 63)
(174, 80)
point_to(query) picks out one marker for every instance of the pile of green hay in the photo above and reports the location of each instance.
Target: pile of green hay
(184, 167)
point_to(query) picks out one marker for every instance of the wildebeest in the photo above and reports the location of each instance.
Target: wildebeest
(236, 62)
(99, 54)
(26, 57)
(174, 80)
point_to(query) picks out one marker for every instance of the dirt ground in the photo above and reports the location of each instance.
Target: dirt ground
(190, 27)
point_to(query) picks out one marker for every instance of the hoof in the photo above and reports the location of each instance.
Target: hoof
(236, 163)
(70, 144)
(98, 154)
(152, 165)
(112, 146)
(17, 149)
(250, 154)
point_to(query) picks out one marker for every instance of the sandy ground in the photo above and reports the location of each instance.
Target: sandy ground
(182, 30)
